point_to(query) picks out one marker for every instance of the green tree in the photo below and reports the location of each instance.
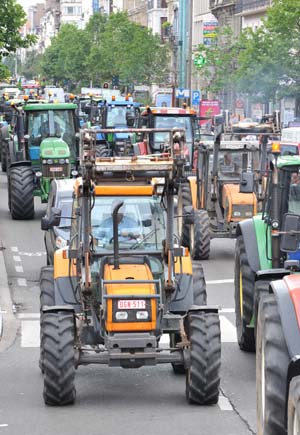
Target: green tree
(268, 65)
(12, 18)
(220, 61)
(32, 65)
(65, 59)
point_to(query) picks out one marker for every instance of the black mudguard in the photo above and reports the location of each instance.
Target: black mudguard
(247, 230)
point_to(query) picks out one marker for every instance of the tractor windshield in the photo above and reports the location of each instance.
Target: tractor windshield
(294, 194)
(172, 122)
(231, 163)
(116, 116)
(141, 223)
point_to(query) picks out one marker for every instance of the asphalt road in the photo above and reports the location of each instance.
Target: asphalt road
(111, 400)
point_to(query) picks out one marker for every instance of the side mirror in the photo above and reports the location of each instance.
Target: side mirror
(130, 119)
(52, 221)
(188, 215)
(147, 222)
(289, 241)
(247, 182)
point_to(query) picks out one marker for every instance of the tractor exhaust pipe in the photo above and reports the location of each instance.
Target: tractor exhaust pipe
(115, 233)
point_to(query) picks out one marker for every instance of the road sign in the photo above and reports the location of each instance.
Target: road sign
(196, 95)
(182, 93)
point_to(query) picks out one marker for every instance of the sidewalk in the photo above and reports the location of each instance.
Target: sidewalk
(8, 322)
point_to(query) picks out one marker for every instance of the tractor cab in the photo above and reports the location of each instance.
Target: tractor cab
(170, 117)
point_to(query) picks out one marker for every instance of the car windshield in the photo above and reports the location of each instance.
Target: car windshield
(116, 116)
(141, 223)
(172, 122)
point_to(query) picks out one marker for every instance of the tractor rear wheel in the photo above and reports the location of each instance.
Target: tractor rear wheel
(184, 200)
(21, 192)
(47, 298)
(272, 360)
(200, 239)
(59, 358)
(3, 157)
(261, 289)
(294, 407)
(203, 374)
(199, 285)
(244, 280)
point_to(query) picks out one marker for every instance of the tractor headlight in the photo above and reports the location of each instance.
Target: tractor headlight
(142, 315)
(50, 162)
(38, 174)
(74, 173)
(61, 161)
(44, 162)
(121, 315)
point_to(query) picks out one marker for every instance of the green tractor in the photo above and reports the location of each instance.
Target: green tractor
(259, 257)
(42, 145)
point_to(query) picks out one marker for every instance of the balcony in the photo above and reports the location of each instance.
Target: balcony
(217, 4)
(244, 7)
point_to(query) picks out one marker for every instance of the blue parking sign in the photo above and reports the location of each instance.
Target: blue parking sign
(196, 98)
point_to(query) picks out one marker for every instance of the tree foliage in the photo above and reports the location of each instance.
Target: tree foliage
(108, 46)
(12, 18)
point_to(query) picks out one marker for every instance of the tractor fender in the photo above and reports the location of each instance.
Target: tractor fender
(55, 308)
(246, 228)
(286, 294)
(20, 163)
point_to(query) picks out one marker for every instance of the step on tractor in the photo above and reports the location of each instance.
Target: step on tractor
(226, 187)
(278, 334)
(259, 258)
(124, 281)
(117, 113)
(42, 145)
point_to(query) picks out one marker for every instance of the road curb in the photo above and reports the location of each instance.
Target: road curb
(8, 321)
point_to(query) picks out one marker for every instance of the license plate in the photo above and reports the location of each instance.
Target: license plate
(56, 169)
(131, 305)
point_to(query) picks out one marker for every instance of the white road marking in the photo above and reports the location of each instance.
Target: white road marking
(19, 269)
(228, 331)
(226, 310)
(32, 254)
(30, 333)
(3, 425)
(16, 258)
(220, 281)
(26, 316)
(22, 282)
(224, 404)
(14, 249)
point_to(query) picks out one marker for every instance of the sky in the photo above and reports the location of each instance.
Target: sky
(27, 3)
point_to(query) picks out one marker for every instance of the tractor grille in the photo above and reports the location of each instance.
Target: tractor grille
(56, 170)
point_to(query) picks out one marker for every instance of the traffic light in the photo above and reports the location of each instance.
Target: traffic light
(115, 80)
(199, 61)
(105, 85)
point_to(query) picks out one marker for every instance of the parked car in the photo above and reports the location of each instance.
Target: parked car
(60, 196)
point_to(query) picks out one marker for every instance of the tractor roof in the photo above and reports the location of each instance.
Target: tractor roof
(49, 106)
(175, 111)
(284, 161)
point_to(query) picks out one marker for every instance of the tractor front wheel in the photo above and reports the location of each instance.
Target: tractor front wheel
(184, 200)
(294, 407)
(21, 192)
(203, 373)
(200, 238)
(244, 280)
(272, 360)
(102, 150)
(59, 358)
(47, 298)
(199, 285)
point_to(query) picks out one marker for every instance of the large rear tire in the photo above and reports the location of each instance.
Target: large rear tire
(21, 192)
(261, 289)
(203, 374)
(294, 407)
(47, 298)
(272, 360)
(200, 239)
(3, 136)
(244, 280)
(184, 200)
(59, 359)
(102, 150)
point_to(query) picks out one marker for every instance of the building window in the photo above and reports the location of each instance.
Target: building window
(72, 10)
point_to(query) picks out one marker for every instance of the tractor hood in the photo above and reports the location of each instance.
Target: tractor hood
(54, 147)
